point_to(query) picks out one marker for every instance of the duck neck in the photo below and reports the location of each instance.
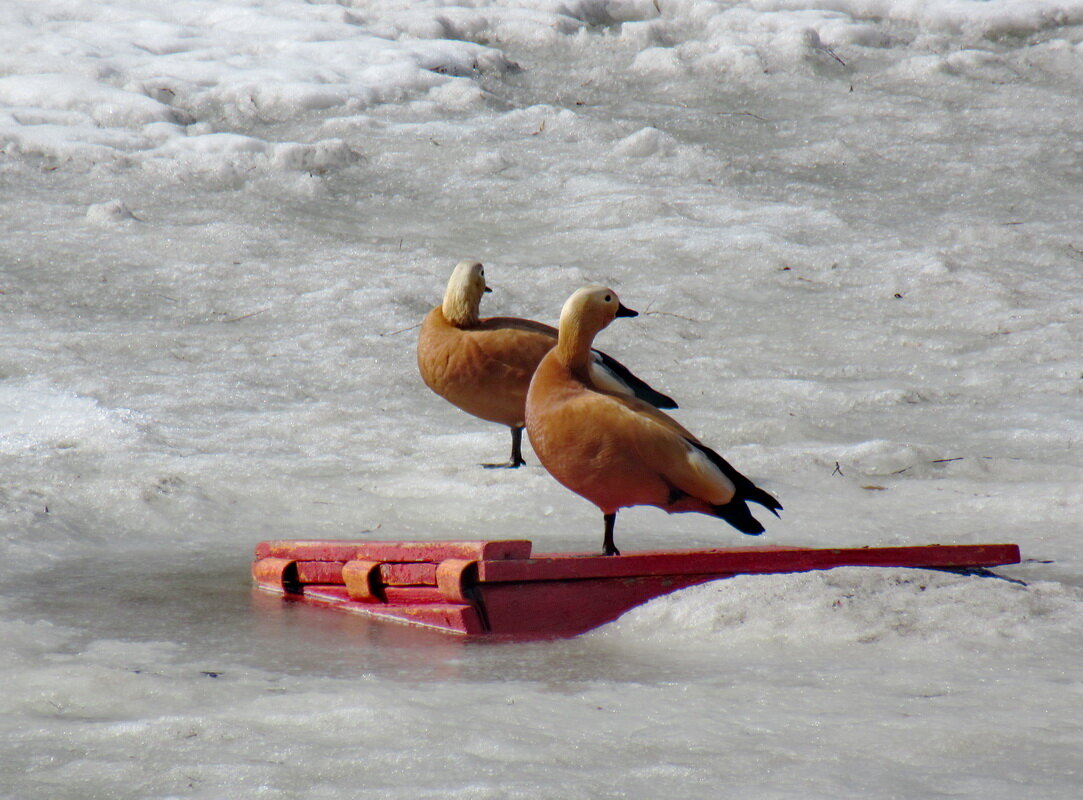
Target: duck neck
(459, 310)
(573, 346)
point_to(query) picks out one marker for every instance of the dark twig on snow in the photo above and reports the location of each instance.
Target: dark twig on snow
(743, 114)
(401, 330)
(669, 314)
(648, 313)
(247, 316)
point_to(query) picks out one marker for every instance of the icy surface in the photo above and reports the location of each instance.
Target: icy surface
(855, 227)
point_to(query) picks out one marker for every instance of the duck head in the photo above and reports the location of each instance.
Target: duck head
(462, 298)
(587, 312)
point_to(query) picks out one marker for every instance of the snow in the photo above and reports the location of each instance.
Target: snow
(852, 230)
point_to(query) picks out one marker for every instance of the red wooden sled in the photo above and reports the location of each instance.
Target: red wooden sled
(499, 588)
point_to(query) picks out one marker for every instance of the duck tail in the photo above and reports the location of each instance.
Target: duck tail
(746, 489)
(736, 513)
(758, 495)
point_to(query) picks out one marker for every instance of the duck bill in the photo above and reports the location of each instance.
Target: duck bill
(624, 311)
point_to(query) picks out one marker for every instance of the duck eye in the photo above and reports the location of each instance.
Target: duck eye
(609, 298)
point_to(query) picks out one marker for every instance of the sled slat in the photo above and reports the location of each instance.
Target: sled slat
(330, 550)
(740, 560)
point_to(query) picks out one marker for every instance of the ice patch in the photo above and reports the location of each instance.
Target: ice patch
(858, 605)
(102, 105)
(229, 157)
(632, 10)
(34, 415)
(457, 95)
(642, 143)
(644, 35)
(737, 60)
(969, 17)
(490, 163)
(662, 61)
(25, 643)
(113, 212)
(106, 84)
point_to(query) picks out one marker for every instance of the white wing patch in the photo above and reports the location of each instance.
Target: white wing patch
(723, 488)
(606, 380)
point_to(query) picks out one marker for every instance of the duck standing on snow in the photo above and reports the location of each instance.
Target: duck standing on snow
(617, 451)
(484, 366)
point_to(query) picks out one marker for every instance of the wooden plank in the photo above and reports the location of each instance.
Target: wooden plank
(730, 561)
(416, 574)
(319, 571)
(333, 550)
(404, 595)
(448, 617)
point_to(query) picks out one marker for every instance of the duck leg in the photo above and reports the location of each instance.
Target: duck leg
(608, 548)
(516, 452)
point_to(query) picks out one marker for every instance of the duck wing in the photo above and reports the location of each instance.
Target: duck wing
(610, 375)
(745, 489)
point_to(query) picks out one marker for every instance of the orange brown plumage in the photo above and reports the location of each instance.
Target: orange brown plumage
(618, 451)
(484, 366)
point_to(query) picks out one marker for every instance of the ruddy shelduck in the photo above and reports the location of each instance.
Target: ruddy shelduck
(618, 451)
(484, 366)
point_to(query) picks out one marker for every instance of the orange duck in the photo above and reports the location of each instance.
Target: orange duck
(484, 366)
(618, 451)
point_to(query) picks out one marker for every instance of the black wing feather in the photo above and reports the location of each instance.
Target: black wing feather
(638, 386)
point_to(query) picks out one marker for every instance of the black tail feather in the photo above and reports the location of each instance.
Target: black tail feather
(736, 513)
(758, 495)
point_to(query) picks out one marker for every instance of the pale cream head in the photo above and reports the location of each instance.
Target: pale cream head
(462, 298)
(592, 308)
(584, 314)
